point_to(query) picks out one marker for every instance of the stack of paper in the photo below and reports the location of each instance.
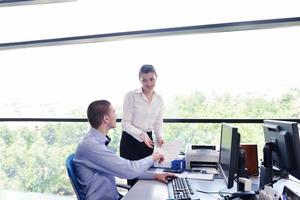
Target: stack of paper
(170, 150)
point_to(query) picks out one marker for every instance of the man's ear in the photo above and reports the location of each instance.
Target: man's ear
(106, 118)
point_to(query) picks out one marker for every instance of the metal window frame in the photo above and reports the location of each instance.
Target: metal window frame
(5, 3)
(166, 120)
(197, 29)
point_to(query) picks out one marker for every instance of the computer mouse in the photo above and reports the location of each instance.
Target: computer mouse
(169, 178)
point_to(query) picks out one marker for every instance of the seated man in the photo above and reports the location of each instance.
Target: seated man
(96, 166)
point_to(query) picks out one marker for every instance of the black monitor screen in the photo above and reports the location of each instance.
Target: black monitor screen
(285, 151)
(229, 153)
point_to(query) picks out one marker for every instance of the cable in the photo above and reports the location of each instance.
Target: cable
(254, 197)
(221, 194)
(241, 195)
(284, 174)
(231, 196)
(209, 193)
(225, 197)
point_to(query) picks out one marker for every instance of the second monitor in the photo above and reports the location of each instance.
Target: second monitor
(229, 153)
(281, 149)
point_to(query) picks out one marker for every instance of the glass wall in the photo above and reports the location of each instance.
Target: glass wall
(60, 81)
(242, 74)
(33, 154)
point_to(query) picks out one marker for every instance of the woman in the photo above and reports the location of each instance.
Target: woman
(142, 117)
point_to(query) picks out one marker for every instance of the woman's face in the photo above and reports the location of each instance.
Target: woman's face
(148, 81)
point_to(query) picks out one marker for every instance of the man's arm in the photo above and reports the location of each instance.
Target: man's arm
(102, 159)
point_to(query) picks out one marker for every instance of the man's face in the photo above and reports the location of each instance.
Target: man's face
(148, 81)
(112, 117)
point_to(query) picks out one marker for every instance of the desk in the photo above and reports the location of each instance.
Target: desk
(147, 190)
(154, 190)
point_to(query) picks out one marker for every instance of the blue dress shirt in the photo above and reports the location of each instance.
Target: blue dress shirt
(96, 167)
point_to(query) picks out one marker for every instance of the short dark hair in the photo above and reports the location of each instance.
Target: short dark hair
(146, 69)
(96, 112)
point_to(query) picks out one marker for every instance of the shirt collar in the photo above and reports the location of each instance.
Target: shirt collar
(140, 91)
(100, 136)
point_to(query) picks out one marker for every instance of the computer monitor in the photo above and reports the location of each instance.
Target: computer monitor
(283, 136)
(229, 153)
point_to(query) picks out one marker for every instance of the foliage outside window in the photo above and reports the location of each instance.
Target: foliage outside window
(33, 155)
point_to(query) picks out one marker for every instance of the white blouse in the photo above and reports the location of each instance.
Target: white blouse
(140, 115)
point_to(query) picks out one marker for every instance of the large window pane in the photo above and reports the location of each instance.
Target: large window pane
(33, 154)
(60, 81)
(86, 17)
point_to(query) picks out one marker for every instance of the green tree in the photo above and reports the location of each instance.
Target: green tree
(33, 158)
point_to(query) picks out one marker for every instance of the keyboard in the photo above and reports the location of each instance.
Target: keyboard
(180, 188)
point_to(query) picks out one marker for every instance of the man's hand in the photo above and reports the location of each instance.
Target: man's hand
(148, 142)
(158, 157)
(160, 141)
(162, 177)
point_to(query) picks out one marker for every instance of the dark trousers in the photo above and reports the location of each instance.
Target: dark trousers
(132, 149)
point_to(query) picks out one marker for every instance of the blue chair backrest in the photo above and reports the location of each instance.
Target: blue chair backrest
(72, 176)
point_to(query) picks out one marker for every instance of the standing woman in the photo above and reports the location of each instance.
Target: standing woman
(142, 117)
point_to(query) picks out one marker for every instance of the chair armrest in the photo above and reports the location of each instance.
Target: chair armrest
(123, 186)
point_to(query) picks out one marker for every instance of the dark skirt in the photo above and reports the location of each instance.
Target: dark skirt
(132, 149)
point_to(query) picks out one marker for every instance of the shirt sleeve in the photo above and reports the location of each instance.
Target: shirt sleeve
(127, 117)
(159, 120)
(100, 158)
(147, 175)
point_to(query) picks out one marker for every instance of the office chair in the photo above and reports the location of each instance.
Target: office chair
(73, 180)
(72, 176)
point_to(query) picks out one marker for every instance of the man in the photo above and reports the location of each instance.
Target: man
(96, 166)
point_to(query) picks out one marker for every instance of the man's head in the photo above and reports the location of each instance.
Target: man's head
(101, 112)
(147, 76)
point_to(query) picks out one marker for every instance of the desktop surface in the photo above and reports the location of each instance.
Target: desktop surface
(147, 190)
(155, 190)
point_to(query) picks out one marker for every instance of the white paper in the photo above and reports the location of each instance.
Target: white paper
(207, 170)
(170, 150)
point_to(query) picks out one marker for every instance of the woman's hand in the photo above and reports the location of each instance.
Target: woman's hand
(160, 141)
(148, 142)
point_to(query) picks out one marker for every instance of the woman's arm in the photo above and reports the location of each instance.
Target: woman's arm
(158, 124)
(127, 126)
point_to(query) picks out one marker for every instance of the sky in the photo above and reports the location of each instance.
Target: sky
(244, 62)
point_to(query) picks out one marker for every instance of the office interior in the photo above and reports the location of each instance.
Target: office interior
(217, 62)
